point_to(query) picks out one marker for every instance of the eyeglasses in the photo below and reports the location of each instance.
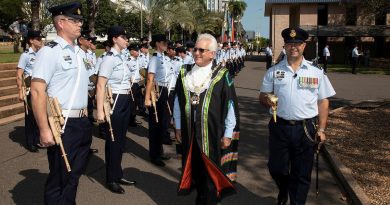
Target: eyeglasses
(74, 21)
(201, 50)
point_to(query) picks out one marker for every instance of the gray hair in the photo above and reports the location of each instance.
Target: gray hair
(213, 46)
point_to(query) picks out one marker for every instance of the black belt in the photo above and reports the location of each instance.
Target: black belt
(280, 120)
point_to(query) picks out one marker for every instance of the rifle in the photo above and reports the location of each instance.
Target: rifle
(131, 85)
(154, 95)
(26, 82)
(56, 120)
(108, 101)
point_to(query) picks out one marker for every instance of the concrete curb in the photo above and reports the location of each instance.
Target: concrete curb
(354, 192)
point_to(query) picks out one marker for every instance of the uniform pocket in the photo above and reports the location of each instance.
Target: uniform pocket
(68, 65)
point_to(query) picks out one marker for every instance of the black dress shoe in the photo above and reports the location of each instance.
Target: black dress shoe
(282, 198)
(32, 148)
(165, 157)
(124, 181)
(115, 188)
(134, 123)
(93, 151)
(167, 141)
(144, 114)
(158, 162)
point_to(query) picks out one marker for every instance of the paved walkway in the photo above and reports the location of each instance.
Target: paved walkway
(23, 174)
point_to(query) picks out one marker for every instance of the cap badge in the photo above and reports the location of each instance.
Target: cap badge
(293, 33)
(78, 11)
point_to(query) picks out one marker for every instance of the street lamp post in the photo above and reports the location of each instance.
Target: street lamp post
(142, 25)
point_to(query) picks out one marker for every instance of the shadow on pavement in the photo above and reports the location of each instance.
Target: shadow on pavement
(338, 102)
(139, 131)
(96, 169)
(161, 190)
(244, 196)
(30, 189)
(17, 135)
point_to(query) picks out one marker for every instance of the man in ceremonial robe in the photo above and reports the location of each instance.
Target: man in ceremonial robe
(206, 119)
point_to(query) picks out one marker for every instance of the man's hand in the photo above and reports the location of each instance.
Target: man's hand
(265, 100)
(322, 138)
(21, 97)
(100, 116)
(148, 102)
(225, 142)
(46, 138)
(178, 135)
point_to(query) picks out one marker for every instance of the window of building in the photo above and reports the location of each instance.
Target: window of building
(351, 15)
(380, 19)
(294, 16)
(379, 46)
(322, 13)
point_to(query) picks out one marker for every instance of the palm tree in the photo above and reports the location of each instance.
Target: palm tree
(93, 8)
(154, 10)
(193, 16)
(35, 5)
(237, 9)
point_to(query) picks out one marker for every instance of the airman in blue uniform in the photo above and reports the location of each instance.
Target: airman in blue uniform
(60, 73)
(23, 73)
(159, 71)
(302, 91)
(114, 72)
(135, 78)
(89, 59)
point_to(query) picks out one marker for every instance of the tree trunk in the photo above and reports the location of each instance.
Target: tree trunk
(150, 31)
(35, 4)
(93, 6)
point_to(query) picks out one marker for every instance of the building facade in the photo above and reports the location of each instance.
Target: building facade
(336, 23)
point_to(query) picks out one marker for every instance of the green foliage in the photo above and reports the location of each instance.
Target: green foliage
(237, 8)
(9, 11)
(106, 17)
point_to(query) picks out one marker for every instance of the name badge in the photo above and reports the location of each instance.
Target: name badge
(279, 74)
(68, 59)
(308, 82)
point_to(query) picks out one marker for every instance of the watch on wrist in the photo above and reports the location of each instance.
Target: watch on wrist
(321, 130)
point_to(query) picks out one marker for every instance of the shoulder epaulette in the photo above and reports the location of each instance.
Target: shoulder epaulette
(314, 64)
(154, 54)
(109, 53)
(52, 44)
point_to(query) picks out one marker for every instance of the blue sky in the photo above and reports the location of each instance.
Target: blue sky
(254, 20)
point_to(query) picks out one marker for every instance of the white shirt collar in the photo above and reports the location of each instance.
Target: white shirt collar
(198, 79)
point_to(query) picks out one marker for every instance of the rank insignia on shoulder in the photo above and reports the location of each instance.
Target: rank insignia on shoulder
(109, 53)
(154, 54)
(52, 44)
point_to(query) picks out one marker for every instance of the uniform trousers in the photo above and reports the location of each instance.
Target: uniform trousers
(31, 130)
(354, 63)
(137, 103)
(158, 130)
(291, 154)
(61, 185)
(114, 149)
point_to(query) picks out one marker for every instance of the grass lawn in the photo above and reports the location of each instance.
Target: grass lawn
(8, 56)
(341, 68)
